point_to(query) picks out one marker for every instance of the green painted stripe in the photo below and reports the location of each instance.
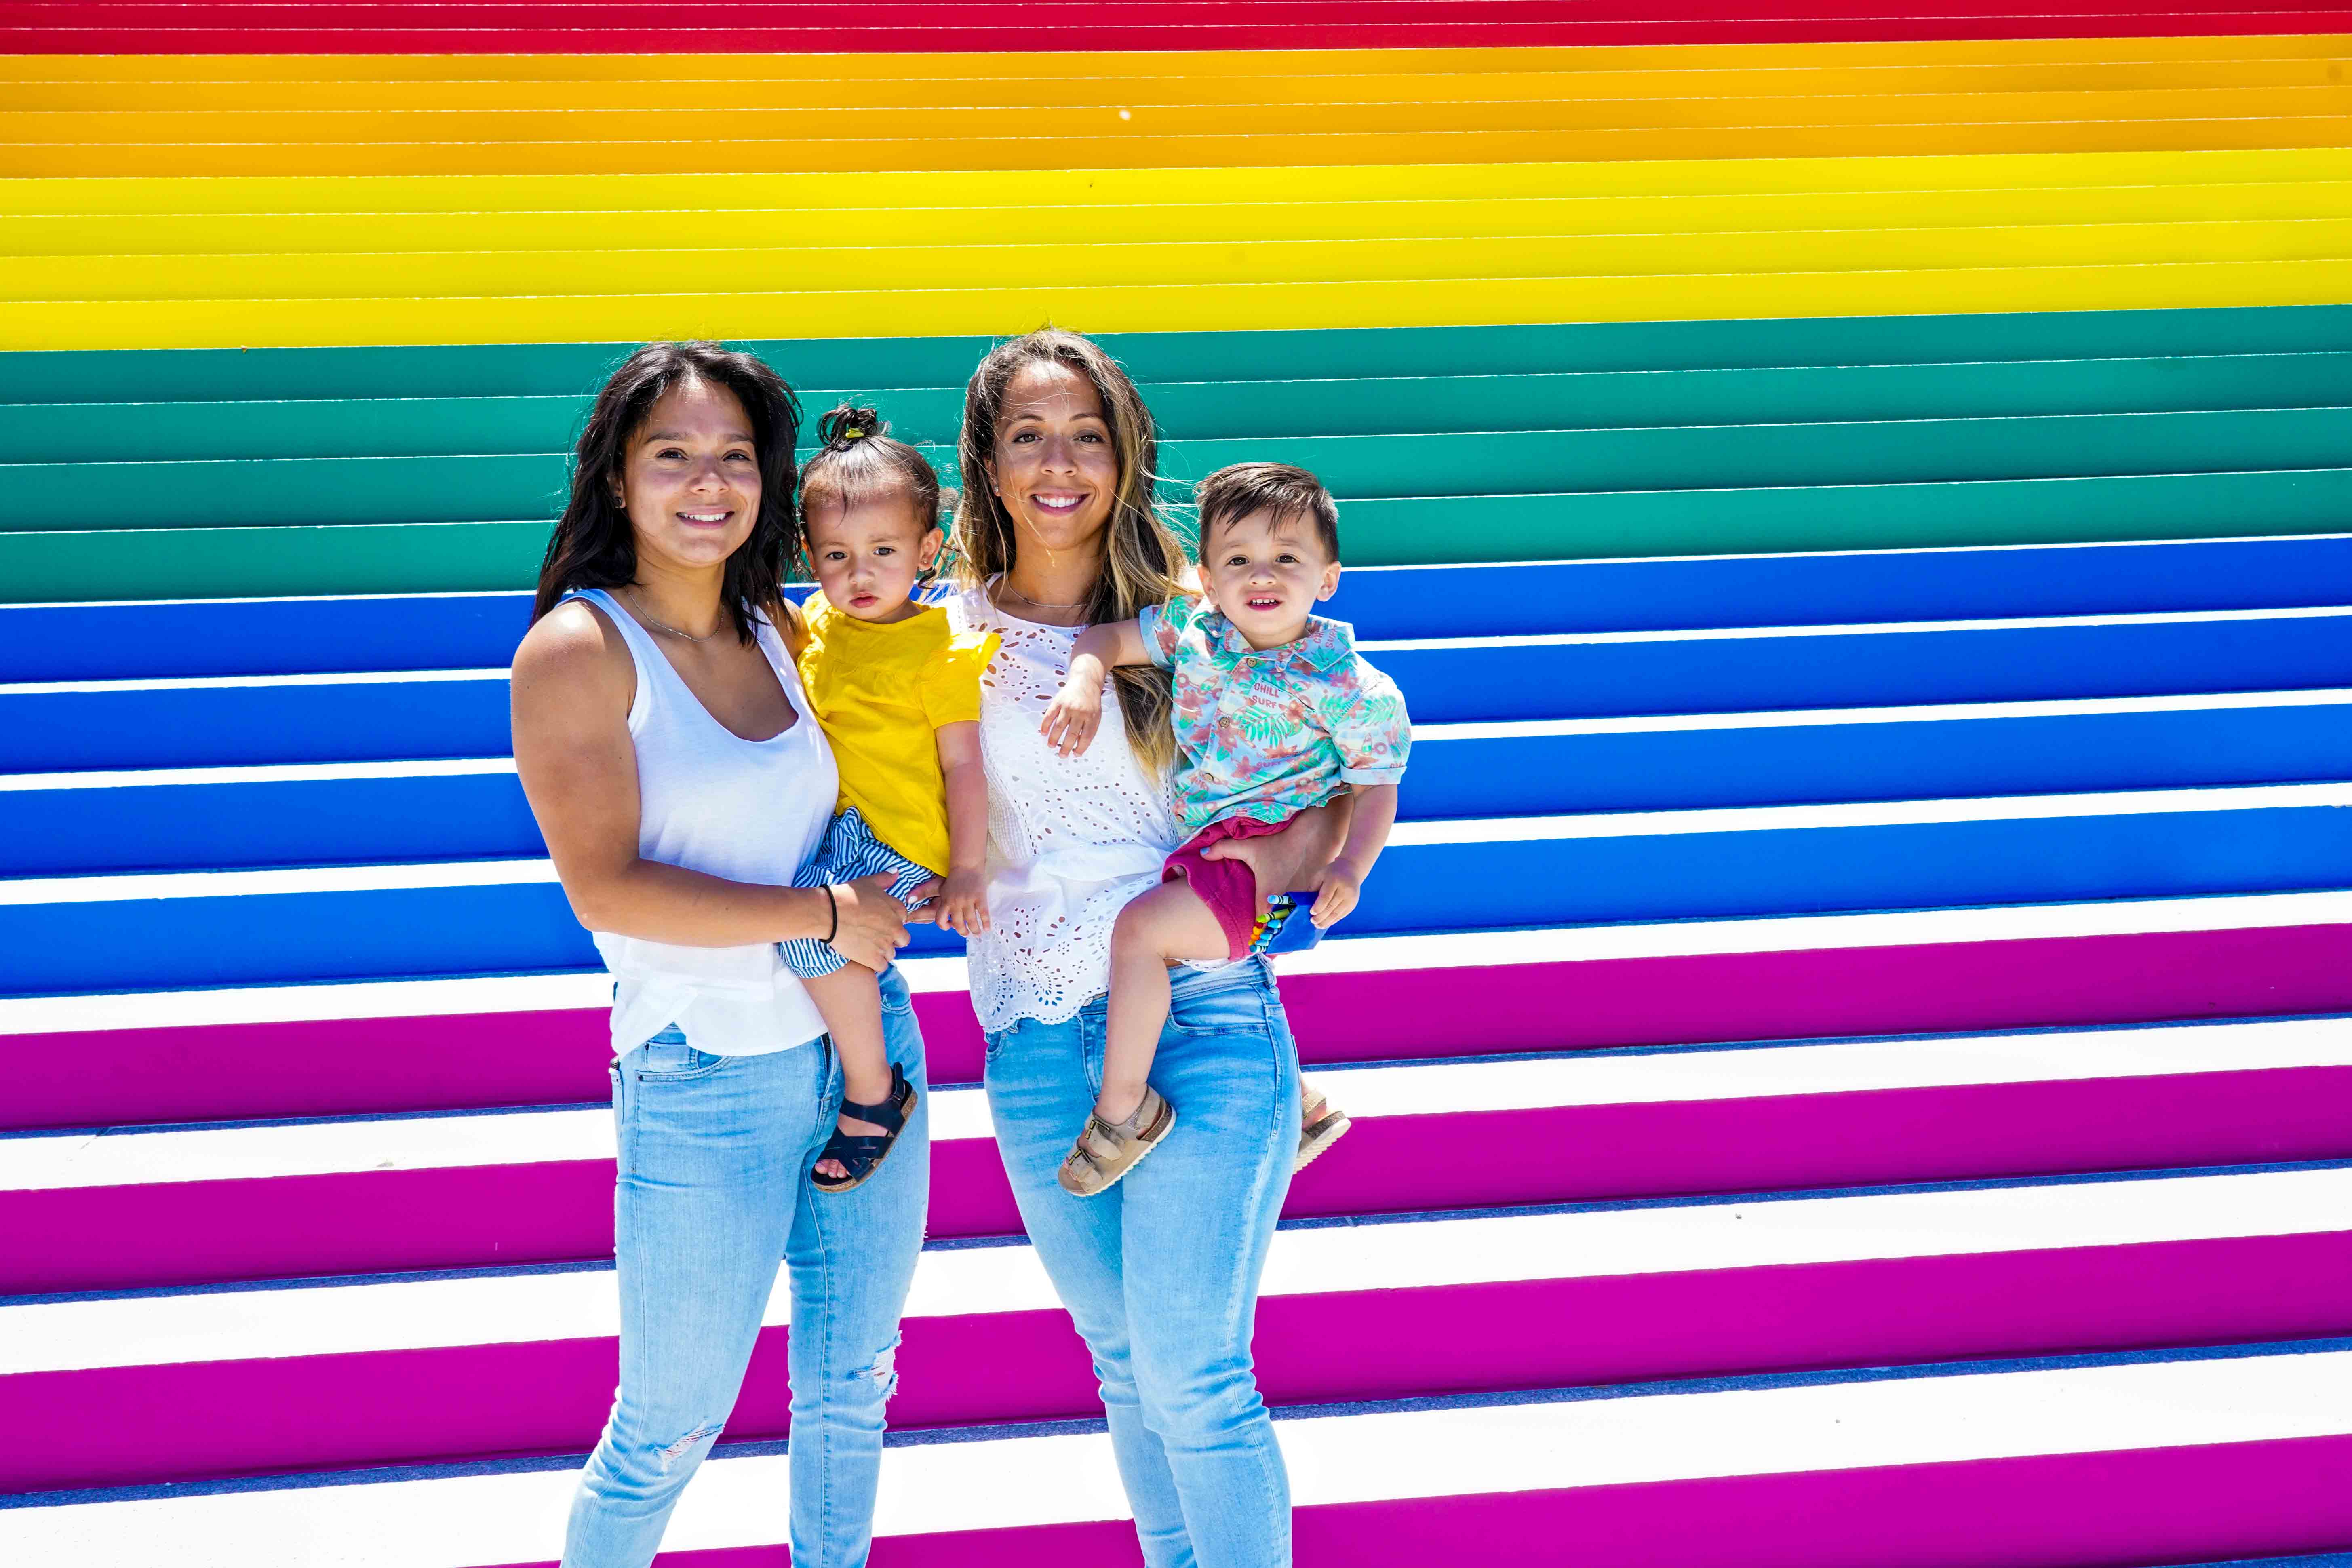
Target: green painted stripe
(355, 427)
(226, 563)
(326, 490)
(567, 369)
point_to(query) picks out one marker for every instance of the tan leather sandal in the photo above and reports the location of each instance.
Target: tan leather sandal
(1105, 1151)
(1321, 1125)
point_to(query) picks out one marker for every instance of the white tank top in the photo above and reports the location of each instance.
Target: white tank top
(709, 800)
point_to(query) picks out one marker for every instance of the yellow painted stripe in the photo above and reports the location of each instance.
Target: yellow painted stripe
(290, 238)
(1014, 306)
(551, 195)
(1197, 65)
(1472, 261)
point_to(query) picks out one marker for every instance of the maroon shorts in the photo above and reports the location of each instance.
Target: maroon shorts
(1228, 887)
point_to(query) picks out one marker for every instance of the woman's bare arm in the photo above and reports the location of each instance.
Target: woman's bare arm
(1292, 860)
(572, 684)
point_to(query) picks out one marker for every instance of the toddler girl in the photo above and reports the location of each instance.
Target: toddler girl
(898, 696)
(1275, 713)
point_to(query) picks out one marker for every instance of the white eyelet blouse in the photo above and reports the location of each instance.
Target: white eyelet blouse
(1070, 840)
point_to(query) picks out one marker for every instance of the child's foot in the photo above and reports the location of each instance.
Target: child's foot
(864, 1135)
(1321, 1125)
(1105, 1151)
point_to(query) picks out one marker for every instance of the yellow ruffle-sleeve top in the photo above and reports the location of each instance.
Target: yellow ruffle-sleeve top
(882, 691)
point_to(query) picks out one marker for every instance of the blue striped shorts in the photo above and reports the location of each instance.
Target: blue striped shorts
(849, 851)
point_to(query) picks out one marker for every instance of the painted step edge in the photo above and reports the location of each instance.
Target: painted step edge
(2106, 1101)
(538, 1040)
(2217, 1456)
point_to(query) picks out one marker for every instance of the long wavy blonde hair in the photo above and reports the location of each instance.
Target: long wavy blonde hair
(1143, 559)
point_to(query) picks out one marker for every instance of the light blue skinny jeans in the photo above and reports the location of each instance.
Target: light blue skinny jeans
(715, 1155)
(1161, 1273)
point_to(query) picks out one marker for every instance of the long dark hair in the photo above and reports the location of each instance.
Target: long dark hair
(592, 545)
(1142, 558)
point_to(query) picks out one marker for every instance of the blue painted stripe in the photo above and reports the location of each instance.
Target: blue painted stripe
(270, 938)
(232, 726)
(478, 631)
(338, 821)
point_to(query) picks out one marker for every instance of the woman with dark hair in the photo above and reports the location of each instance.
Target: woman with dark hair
(1057, 531)
(681, 782)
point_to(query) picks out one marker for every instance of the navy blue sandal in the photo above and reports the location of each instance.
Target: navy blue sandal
(862, 1154)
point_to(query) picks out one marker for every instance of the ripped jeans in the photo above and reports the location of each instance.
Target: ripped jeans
(713, 1190)
(1161, 1273)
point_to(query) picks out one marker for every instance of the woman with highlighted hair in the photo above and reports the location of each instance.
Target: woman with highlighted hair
(1057, 531)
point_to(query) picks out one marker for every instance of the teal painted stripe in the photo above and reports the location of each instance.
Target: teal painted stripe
(383, 427)
(230, 562)
(560, 369)
(311, 490)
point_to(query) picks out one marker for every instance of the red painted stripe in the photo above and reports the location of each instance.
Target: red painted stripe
(106, 1238)
(124, 1425)
(207, 1072)
(53, 26)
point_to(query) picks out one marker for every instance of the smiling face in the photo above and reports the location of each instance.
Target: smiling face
(1265, 571)
(1053, 464)
(867, 555)
(690, 481)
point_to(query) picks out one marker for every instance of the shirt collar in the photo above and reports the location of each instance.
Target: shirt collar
(1327, 646)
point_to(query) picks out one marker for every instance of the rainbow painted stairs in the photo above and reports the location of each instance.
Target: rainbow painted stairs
(1858, 505)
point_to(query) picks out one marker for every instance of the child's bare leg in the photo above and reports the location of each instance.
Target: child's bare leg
(1167, 925)
(850, 998)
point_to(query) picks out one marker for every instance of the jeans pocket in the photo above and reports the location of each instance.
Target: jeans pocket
(1239, 1009)
(660, 1061)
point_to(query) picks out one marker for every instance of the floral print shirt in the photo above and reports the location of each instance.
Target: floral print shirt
(1267, 734)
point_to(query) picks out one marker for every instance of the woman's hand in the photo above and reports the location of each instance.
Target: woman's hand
(1074, 716)
(871, 926)
(1293, 859)
(963, 905)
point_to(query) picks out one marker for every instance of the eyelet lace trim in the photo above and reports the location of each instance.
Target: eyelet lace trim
(1070, 840)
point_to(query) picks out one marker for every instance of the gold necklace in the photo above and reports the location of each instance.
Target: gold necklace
(665, 626)
(1043, 603)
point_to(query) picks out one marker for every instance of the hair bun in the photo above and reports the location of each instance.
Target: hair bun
(848, 425)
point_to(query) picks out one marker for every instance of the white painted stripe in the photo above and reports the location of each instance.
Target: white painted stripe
(503, 1139)
(292, 772)
(1828, 718)
(53, 1336)
(1341, 955)
(1407, 835)
(260, 884)
(1799, 933)
(1004, 1483)
(1591, 566)
(112, 1159)
(1852, 629)
(1538, 728)
(1862, 814)
(224, 682)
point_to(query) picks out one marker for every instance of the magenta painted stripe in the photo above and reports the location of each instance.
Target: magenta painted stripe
(358, 1066)
(2141, 1506)
(102, 1238)
(125, 1424)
